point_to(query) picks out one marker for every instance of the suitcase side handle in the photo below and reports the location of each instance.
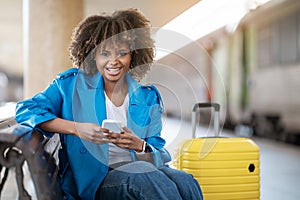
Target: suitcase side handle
(195, 115)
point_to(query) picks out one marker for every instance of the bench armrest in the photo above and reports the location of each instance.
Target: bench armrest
(19, 144)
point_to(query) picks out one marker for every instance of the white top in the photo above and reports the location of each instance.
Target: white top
(117, 154)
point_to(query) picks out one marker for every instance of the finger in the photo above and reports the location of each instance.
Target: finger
(128, 131)
(120, 142)
(104, 130)
(125, 143)
(114, 141)
(124, 128)
(128, 136)
(98, 131)
(113, 135)
(102, 141)
(99, 137)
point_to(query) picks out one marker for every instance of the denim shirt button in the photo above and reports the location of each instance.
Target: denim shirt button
(82, 150)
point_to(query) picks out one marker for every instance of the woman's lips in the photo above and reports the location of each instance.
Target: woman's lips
(113, 71)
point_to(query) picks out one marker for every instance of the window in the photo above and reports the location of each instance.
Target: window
(278, 42)
(264, 47)
(288, 37)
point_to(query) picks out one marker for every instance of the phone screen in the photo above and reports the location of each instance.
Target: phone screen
(112, 125)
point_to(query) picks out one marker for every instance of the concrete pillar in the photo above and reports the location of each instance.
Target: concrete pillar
(48, 26)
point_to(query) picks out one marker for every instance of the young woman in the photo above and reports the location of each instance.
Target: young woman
(110, 53)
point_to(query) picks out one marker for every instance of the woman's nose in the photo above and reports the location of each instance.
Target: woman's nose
(113, 61)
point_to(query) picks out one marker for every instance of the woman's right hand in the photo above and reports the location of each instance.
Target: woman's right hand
(87, 131)
(91, 132)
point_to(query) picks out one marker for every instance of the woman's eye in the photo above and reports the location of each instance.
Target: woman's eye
(105, 54)
(122, 53)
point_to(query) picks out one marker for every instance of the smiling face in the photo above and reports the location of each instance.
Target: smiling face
(113, 61)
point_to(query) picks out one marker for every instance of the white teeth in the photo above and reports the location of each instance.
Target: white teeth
(113, 69)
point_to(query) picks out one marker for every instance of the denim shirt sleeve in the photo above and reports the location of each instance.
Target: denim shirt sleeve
(153, 127)
(156, 142)
(43, 107)
(48, 104)
(161, 155)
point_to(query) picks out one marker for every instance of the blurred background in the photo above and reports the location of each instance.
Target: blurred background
(242, 54)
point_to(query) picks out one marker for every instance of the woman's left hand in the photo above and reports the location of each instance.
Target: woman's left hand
(126, 139)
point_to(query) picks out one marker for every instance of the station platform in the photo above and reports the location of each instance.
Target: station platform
(279, 163)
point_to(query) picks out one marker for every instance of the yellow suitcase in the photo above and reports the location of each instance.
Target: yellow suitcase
(226, 168)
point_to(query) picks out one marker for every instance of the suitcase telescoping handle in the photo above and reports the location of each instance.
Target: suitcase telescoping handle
(195, 115)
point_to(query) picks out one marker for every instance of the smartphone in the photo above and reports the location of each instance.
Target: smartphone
(112, 125)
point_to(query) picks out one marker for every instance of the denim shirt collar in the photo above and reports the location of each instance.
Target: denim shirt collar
(95, 82)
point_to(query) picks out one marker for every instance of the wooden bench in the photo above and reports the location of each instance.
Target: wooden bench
(20, 144)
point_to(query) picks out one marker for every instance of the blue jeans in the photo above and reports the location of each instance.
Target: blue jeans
(142, 180)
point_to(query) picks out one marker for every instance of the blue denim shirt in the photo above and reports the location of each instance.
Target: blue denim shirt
(73, 95)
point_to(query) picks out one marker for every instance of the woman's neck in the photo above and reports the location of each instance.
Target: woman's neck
(116, 91)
